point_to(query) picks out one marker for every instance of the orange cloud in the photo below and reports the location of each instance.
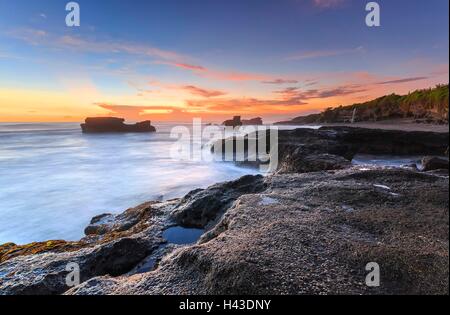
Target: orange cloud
(280, 81)
(203, 92)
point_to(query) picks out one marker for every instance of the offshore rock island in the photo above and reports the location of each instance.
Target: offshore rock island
(113, 124)
(309, 228)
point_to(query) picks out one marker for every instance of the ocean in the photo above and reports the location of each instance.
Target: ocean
(54, 179)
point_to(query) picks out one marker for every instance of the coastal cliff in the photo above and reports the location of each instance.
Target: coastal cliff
(309, 228)
(421, 106)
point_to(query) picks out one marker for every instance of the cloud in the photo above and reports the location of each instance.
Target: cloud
(294, 93)
(240, 105)
(43, 15)
(280, 81)
(137, 112)
(328, 3)
(405, 80)
(160, 56)
(31, 36)
(41, 37)
(325, 53)
(285, 100)
(182, 65)
(203, 92)
(189, 67)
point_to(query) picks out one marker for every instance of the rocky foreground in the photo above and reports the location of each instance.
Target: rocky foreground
(310, 228)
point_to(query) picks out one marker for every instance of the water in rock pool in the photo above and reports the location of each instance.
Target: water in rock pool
(54, 179)
(181, 236)
(386, 160)
(174, 235)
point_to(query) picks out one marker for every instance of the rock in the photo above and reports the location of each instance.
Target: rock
(299, 149)
(431, 163)
(113, 247)
(113, 124)
(203, 206)
(10, 250)
(236, 121)
(412, 166)
(252, 122)
(44, 274)
(307, 243)
(298, 163)
(395, 142)
(107, 223)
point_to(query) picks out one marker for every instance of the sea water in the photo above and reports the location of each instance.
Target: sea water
(54, 179)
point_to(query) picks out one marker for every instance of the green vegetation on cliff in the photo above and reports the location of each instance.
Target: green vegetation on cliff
(427, 105)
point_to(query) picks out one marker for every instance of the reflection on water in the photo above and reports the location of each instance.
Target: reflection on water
(386, 160)
(54, 179)
(181, 236)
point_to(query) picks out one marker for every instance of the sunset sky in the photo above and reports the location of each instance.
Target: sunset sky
(174, 60)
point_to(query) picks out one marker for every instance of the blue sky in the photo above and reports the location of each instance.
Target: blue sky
(183, 58)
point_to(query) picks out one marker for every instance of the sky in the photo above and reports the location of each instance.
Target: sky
(174, 60)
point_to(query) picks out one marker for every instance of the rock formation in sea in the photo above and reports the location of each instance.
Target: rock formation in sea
(113, 124)
(252, 122)
(237, 121)
(309, 228)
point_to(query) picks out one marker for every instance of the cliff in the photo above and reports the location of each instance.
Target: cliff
(429, 106)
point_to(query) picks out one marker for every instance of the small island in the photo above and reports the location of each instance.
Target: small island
(114, 124)
(236, 121)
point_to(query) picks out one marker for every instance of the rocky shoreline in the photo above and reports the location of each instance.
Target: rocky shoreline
(309, 228)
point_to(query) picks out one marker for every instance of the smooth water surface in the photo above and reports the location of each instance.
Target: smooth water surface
(54, 179)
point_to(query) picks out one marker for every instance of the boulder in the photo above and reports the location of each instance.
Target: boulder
(431, 163)
(114, 246)
(299, 163)
(205, 206)
(45, 273)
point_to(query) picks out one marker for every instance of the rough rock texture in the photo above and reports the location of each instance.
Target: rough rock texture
(430, 163)
(113, 124)
(114, 249)
(203, 206)
(308, 150)
(313, 234)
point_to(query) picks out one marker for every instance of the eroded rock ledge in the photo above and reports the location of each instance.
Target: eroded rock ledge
(328, 148)
(288, 233)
